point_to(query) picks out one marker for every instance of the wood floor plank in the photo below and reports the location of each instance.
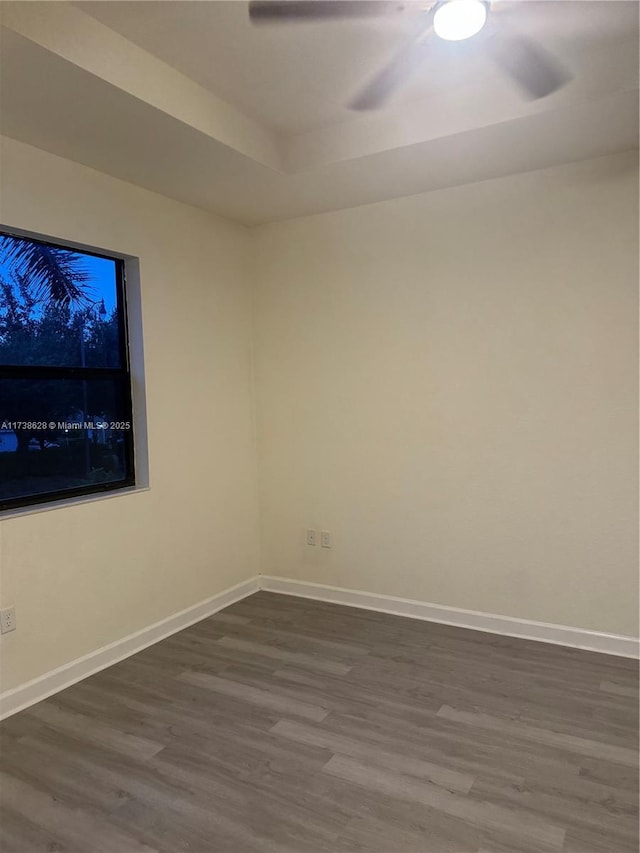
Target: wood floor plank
(18, 833)
(225, 618)
(619, 689)
(284, 725)
(579, 745)
(307, 661)
(474, 750)
(373, 834)
(451, 780)
(92, 729)
(41, 762)
(482, 814)
(569, 802)
(77, 826)
(612, 776)
(254, 696)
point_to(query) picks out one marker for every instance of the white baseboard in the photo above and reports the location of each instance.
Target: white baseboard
(544, 632)
(68, 674)
(64, 676)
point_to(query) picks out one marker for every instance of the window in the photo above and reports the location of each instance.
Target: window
(65, 387)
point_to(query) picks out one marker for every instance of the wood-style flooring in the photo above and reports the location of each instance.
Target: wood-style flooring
(291, 726)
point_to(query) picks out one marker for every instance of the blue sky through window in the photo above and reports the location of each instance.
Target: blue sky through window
(102, 282)
(103, 279)
(47, 332)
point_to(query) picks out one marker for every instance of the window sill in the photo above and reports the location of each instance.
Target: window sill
(69, 502)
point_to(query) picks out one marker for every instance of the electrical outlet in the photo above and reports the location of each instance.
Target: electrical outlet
(312, 537)
(325, 539)
(7, 620)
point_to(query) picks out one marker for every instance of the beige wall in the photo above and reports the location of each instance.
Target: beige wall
(88, 575)
(448, 383)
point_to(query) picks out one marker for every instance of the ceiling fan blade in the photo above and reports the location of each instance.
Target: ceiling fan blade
(529, 65)
(378, 91)
(276, 11)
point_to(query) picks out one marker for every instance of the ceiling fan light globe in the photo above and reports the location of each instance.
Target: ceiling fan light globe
(456, 20)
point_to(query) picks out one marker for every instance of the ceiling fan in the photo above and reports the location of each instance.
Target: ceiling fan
(529, 65)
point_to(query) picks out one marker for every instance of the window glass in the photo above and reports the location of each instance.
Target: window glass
(65, 392)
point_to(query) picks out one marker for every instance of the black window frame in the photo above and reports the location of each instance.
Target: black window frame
(122, 374)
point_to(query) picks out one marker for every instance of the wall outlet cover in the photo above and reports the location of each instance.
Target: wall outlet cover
(7, 620)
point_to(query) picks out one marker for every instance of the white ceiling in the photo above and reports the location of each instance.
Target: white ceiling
(296, 77)
(188, 99)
